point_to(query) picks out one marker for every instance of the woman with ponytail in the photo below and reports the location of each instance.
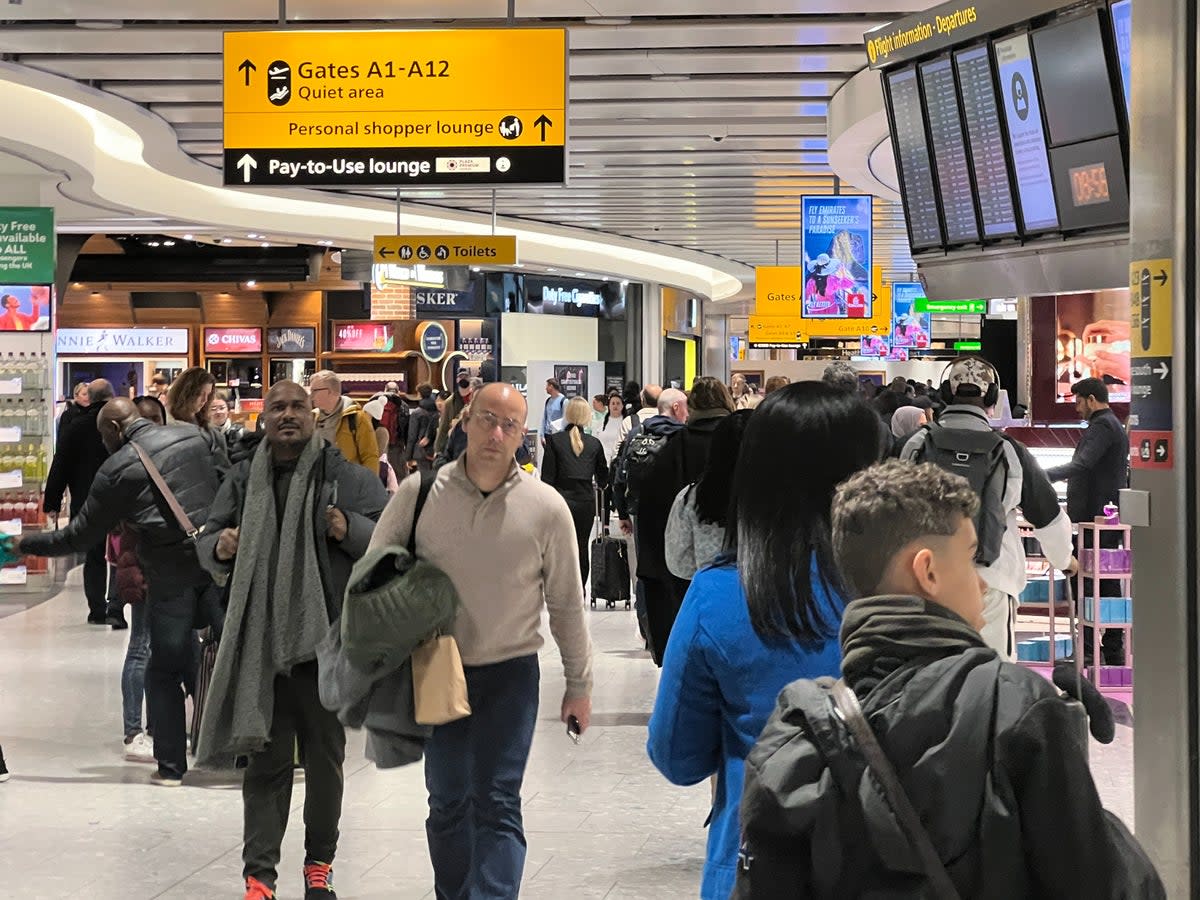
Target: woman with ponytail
(575, 465)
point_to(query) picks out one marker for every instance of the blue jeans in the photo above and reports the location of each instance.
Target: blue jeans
(133, 676)
(473, 770)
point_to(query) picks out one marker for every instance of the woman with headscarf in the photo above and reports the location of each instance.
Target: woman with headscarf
(906, 421)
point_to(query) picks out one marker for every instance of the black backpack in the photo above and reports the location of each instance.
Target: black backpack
(637, 458)
(981, 458)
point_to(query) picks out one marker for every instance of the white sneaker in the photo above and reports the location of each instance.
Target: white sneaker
(140, 749)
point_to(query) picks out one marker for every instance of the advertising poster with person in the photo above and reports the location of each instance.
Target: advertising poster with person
(1093, 342)
(836, 238)
(24, 307)
(909, 327)
(873, 346)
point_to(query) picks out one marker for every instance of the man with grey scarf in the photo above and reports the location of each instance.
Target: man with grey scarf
(283, 534)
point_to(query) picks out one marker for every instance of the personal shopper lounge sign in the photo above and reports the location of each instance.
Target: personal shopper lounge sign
(27, 245)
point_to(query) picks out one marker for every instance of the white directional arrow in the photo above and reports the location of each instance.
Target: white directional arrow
(1162, 371)
(246, 164)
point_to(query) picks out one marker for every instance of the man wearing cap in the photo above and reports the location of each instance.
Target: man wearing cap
(556, 405)
(342, 422)
(970, 390)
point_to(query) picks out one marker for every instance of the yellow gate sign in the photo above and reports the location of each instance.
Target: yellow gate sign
(446, 249)
(776, 332)
(1151, 329)
(777, 290)
(349, 108)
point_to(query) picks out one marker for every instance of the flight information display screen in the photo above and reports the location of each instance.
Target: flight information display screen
(1122, 25)
(1073, 76)
(912, 157)
(986, 138)
(1089, 178)
(949, 151)
(1026, 137)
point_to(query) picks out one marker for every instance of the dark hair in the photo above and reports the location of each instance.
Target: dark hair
(881, 510)
(554, 383)
(921, 401)
(147, 400)
(802, 442)
(632, 394)
(709, 393)
(714, 490)
(887, 402)
(425, 390)
(185, 391)
(1091, 387)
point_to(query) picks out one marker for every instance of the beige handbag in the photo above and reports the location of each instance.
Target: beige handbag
(439, 685)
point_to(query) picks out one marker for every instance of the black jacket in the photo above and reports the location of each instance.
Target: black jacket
(680, 463)
(992, 758)
(72, 412)
(359, 495)
(423, 423)
(571, 475)
(1099, 468)
(123, 492)
(80, 454)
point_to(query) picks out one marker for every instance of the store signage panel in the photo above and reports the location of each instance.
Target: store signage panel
(395, 107)
(448, 250)
(121, 341)
(442, 302)
(27, 245)
(370, 337)
(292, 340)
(433, 341)
(783, 331)
(232, 340)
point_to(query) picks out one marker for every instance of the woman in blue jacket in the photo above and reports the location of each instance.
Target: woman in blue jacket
(766, 614)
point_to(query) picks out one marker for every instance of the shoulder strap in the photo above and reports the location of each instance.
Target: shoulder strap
(427, 479)
(354, 427)
(846, 703)
(181, 517)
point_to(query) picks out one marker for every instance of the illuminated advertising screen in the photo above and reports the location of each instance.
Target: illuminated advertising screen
(909, 327)
(1092, 342)
(836, 239)
(25, 307)
(874, 346)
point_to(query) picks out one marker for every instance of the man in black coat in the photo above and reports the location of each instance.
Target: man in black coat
(180, 594)
(1095, 475)
(286, 528)
(77, 459)
(680, 463)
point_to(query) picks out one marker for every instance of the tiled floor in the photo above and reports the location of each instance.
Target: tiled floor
(78, 821)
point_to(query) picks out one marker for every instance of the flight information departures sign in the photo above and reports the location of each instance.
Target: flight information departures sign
(396, 108)
(447, 250)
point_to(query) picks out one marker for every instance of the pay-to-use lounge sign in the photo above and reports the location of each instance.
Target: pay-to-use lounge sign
(349, 108)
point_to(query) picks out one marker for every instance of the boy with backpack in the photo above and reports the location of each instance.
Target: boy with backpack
(935, 768)
(1006, 478)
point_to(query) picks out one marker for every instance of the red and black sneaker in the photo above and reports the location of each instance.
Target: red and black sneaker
(318, 881)
(256, 890)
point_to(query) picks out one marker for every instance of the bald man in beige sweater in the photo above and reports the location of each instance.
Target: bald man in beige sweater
(507, 541)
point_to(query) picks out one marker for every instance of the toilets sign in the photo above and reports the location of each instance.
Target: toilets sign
(351, 108)
(27, 245)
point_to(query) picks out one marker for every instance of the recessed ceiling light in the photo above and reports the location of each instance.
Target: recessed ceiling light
(552, 270)
(325, 243)
(474, 268)
(608, 20)
(189, 237)
(152, 243)
(264, 244)
(251, 283)
(226, 240)
(252, 235)
(168, 243)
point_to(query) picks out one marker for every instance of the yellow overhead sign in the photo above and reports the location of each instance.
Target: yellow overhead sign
(776, 331)
(470, 106)
(1150, 307)
(449, 250)
(777, 290)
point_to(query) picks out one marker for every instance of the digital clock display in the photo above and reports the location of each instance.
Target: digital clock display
(1089, 184)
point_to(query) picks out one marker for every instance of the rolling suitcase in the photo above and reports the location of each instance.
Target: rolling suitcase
(204, 674)
(610, 564)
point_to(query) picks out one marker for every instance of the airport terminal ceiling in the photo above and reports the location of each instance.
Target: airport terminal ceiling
(688, 126)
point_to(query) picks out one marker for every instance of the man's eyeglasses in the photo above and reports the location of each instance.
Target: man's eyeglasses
(490, 421)
(317, 390)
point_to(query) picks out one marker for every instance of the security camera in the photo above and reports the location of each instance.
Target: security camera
(718, 138)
